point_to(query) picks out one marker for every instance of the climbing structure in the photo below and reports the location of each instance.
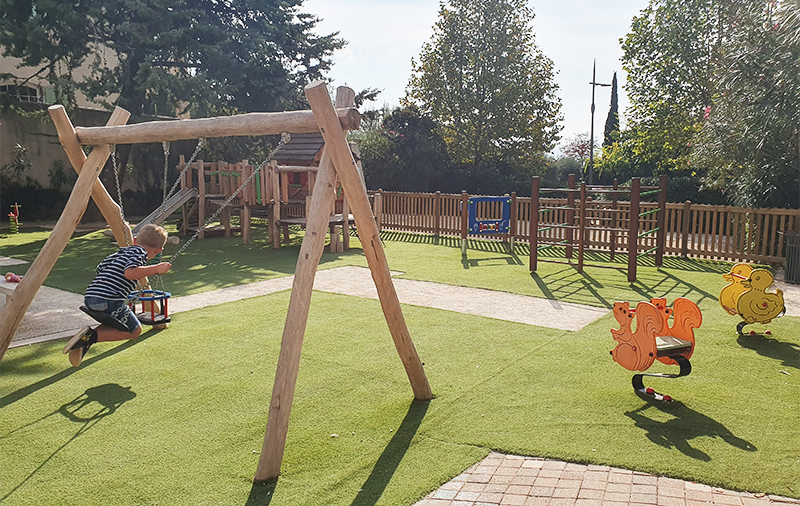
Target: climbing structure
(568, 226)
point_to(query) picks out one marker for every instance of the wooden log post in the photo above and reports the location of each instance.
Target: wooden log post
(512, 233)
(464, 220)
(687, 212)
(568, 232)
(661, 221)
(201, 198)
(13, 311)
(437, 214)
(633, 229)
(614, 223)
(105, 203)
(533, 224)
(582, 227)
(254, 123)
(378, 209)
(336, 153)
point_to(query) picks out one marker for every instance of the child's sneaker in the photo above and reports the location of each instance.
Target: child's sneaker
(79, 345)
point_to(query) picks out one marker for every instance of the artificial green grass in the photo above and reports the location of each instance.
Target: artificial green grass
(178, 417)
(206, 264)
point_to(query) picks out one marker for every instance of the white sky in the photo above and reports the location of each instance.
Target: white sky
(383, 36)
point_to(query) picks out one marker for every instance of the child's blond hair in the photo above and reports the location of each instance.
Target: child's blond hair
(152, 236)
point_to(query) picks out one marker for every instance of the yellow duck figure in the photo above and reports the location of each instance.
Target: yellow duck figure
(755, 305)
(730, 293)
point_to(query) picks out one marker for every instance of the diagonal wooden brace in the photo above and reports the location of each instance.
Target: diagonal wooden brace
(12, 313)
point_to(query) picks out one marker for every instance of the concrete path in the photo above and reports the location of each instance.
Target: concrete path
(54, 314)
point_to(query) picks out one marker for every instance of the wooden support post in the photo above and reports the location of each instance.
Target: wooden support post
(582, 227)
(13, 311)
(185, 183)
(614, 200)
(464, 220)
(201, 197)
(687, 212)
(437, 214)
(378, 209)
(345, 225)
(633, 229)
(512, 234)
(105, 203)
(533, 224)
(335, 153)
(661, 222)
(568, 234)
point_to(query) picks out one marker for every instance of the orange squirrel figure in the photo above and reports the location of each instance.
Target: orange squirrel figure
(637, 350)
(655, 339)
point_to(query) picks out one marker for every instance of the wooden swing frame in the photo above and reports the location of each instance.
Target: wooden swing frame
(336, 160)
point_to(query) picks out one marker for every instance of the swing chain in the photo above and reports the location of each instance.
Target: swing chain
(227, 202)
(119, 189)
(186, 166)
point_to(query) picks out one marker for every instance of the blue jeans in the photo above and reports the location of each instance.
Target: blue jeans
(116, 309)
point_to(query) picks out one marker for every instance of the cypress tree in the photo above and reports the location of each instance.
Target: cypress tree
(612, 121)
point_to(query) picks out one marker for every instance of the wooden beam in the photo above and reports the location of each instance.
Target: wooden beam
(269, 463)
(12, 312)
(254, 123)
(336, 144)
(105, 203)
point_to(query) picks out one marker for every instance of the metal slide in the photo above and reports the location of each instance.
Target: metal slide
(170, 206)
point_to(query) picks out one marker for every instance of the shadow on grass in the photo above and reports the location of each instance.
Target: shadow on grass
(26, 391)
(88, 409)
(684, 425)
(387, 463)
(787, 353)
(261, 493)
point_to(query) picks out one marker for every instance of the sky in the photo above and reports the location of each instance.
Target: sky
(384, 35)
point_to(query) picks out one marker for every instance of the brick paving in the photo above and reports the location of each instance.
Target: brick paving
(527, 481)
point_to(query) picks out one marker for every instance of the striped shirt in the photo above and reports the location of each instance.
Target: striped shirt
(110, 282)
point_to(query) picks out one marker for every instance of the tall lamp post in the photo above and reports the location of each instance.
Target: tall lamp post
(591, 130)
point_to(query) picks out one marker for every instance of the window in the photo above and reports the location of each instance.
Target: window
(23, 93)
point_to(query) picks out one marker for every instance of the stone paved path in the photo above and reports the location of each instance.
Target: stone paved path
(512, 480)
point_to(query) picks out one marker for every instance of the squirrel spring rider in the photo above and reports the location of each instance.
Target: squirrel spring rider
(654, 338)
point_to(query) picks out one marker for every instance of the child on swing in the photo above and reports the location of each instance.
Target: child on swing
(108, 292)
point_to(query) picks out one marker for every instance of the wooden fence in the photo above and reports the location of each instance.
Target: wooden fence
(692, 230)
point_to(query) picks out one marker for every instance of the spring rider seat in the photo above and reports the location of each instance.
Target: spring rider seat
(655, 339)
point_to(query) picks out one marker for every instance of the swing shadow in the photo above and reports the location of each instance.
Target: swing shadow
(109, 397)
(261, 494)
(685, 424)
(23, 392)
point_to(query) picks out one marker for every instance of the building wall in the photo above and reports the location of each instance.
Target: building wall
(40, 138)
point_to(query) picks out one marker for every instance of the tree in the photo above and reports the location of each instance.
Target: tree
(578, 148)
(155, 58)
(405, 153)
(612, 121)
(669, 56)
(159, 57)
(487, 86)
(750, 138)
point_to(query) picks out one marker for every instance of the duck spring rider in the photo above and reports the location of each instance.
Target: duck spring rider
(746, 295)
(655, 339)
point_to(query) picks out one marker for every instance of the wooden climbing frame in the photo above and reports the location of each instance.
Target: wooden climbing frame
(567, 226)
